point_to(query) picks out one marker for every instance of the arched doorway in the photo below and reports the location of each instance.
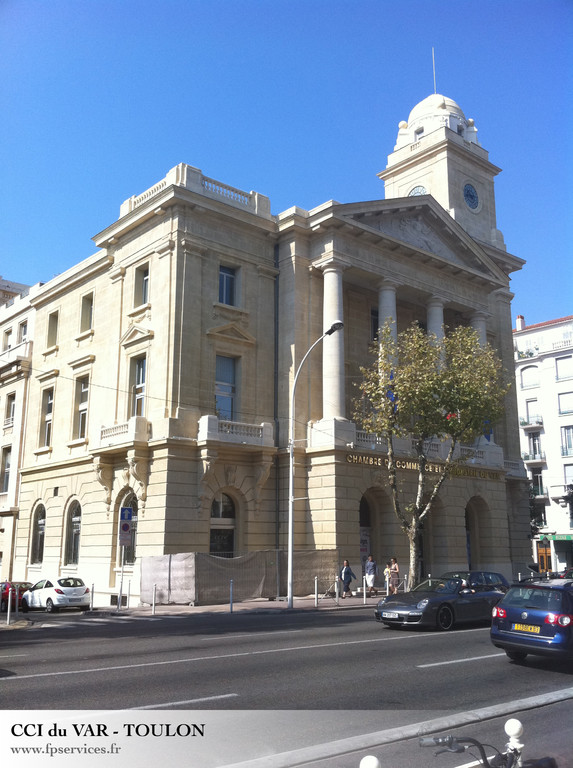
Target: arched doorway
(475, 515)
(222, 537)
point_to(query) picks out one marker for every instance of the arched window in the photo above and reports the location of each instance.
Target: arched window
(130, 500)
(529, 377)
(38, 534)
(73, 530)
(222, 537)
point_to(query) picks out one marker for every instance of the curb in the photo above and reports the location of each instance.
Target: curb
(365, 741)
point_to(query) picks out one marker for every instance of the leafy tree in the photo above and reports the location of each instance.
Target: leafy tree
(426, 388)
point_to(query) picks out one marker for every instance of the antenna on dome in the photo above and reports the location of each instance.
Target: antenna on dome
(434, 68)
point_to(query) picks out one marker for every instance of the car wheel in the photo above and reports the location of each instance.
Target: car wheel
(25, 606)
(516, 655)
(50, 607)
(4, 606)
(445, 618)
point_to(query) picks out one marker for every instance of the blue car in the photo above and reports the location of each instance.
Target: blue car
(535, 617)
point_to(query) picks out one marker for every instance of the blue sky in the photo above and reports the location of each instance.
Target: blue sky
(297, 99)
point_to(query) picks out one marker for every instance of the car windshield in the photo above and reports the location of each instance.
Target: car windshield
(69, 581)
(534, 597)
(447, 586)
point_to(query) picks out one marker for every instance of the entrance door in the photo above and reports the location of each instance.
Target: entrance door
(544, 556)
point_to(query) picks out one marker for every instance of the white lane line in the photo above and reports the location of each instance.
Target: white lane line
(188, 701)
(459, 661)
(216, 657)
(14, 655)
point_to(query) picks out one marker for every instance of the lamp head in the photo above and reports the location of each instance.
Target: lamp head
(334, 327)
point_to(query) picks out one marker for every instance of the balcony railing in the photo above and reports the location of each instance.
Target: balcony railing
(223, 430)
(136, 430)
(538, 456)
(531, 421)
(566, 450)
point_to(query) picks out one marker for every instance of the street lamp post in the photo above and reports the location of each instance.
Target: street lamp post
(333, 328)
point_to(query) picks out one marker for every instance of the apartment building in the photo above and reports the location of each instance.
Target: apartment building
(544, 383)
(163, 369)
(16, 333)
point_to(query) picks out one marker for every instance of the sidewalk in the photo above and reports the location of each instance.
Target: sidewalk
(258, 606)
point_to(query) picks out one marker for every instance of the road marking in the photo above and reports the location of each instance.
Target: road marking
(459, 661)
(188, 701)
(13, 655)
(216, 657)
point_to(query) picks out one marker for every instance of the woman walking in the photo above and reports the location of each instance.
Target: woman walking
(346, 577)
(394, 576)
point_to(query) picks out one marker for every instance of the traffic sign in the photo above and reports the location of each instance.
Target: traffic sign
(125, 518)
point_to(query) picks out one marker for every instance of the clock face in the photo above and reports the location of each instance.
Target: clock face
(417, 191)
(471, 197)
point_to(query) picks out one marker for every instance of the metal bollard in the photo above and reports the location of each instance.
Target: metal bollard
(316, 591)
(9, 606)
(231, 596)
(92, 598)
(364, 589)
(154, 598)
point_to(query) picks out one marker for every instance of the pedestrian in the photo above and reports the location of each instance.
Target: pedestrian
(394, 576)
(346, 577)
(371, 570)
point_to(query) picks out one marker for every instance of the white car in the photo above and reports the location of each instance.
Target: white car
(53, 594)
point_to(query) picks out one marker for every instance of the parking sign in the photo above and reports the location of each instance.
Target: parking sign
(125, 516)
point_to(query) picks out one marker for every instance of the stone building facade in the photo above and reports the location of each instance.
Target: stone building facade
(162, 371)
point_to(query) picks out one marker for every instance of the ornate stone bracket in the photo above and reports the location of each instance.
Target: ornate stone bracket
(206, 473)
(104, 475)
(137, 474)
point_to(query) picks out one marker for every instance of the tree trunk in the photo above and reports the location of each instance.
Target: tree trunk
(414, 539)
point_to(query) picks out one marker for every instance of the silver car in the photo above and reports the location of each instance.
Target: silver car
(439, 603)
(53, 594)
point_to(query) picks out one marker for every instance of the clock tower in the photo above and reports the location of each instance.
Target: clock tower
(437, 153)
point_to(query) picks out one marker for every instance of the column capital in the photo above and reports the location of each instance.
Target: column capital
(331, 262)
(388, 283)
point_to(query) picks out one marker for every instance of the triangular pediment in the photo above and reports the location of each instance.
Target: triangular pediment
(423, 226)
(231, 333)
(135, 334)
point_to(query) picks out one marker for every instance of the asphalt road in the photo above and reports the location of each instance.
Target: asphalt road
(359, 677)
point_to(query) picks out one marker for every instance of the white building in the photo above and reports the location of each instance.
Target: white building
(544, 383)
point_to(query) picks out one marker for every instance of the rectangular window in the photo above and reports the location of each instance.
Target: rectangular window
(47, 415)
(374, 324)
(566, 403)
(567, 441)
(23, 332)
(225, 387)
(141, 295)
(52, 339)
(138, 375)
(5, 468)
(81, 408)
(227, 280)
(535, 444)
(10, 410)
(564, 367)
(7, 342)
(537, 482)
(86, 316)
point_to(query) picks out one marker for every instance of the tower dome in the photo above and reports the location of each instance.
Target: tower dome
(434, 112)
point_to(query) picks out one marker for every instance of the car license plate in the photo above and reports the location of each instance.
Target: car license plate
(389, 615)
(75, 599)
(526, 628)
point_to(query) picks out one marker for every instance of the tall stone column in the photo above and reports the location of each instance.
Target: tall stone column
(478, 322)
(435, 316)
(333, 404)
(387, 306)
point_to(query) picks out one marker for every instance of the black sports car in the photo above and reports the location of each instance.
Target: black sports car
(439, 603)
